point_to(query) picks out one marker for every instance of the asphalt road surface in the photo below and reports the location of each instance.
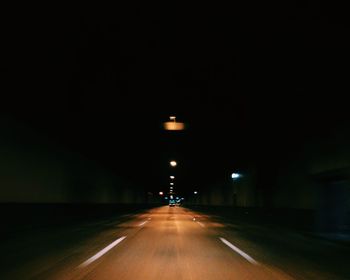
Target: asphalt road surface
(171, 243)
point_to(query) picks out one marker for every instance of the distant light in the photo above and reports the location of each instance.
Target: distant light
(172, 177)
(195, 192)
(171, 197)
(173, 163)
(182, 198)
(160, 193)
(235, 175)
(173, 124)
(171, 188)
(166, 197)
(177, 198)
(171, 184)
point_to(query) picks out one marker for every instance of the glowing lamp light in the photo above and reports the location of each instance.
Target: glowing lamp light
(173, 163)
(172, 177)
(160, 193)
(195, 192)
(173, 124)
(235, 175)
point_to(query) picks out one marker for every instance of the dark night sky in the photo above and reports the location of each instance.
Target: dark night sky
(250, 80)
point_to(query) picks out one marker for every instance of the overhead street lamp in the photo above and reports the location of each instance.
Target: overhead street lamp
(172, 124)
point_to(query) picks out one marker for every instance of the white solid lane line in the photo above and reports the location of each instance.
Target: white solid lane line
(102, 252)
(239, 251)
(140, 225)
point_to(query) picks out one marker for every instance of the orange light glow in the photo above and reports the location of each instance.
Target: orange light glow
(174, 126)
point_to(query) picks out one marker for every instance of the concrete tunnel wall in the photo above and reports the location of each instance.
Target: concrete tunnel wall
(226, 192)
(295, 182)
(300, 180)
(307, 188)
(33, 171)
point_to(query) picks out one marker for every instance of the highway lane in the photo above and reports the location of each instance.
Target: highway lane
(166, 243)
(172, 246)
(172, 243)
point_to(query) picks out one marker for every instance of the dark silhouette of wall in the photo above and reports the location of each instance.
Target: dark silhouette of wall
(33, 170)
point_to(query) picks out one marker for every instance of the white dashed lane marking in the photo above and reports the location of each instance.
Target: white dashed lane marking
(239, 251)
(102, 252)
